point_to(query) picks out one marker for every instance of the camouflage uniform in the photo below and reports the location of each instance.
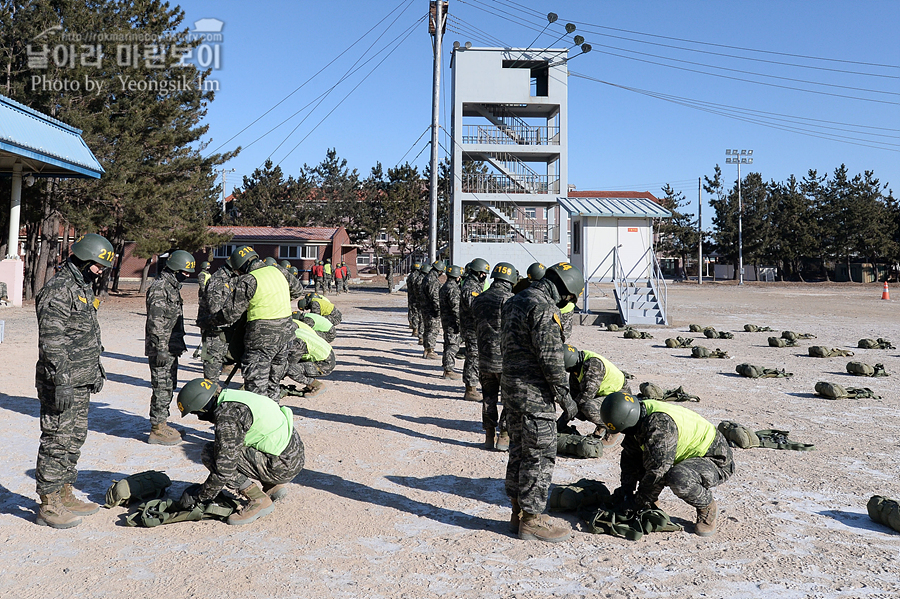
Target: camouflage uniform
(567, 319)
(486, 309)
(231, 463)
(328, 335)
(266, 342)
(449, 296)
(413, 281)
(648, 458)
(304, 372)
(68, 357)
(584, 392)
(430, 306)
(469, 289)
(532, 383)
(215, 338)
(163, 341)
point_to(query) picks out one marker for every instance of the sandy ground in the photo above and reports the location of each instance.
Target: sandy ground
(399, 499)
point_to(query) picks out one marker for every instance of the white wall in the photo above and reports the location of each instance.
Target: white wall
(599, 235)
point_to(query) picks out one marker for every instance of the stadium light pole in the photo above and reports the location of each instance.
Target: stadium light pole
(739, 157)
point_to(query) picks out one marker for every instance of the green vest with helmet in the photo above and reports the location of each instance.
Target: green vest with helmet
(272, 300)
(325, 306)
(327, 268)
(203, 278)
(320, 323)
(317, 349)
(568, 308)
(613, 380)
(272, 426)
(695, 433)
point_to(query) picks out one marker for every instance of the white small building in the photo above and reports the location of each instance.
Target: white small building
(612, 241)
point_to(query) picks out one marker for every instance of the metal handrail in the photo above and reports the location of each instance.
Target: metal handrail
(491, 134)
(651, 271)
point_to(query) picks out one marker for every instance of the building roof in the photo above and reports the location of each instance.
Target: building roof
(279, 233)
(621, 204)
(49, 147)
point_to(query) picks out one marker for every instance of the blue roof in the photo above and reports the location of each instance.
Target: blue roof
(49, 147)
(614, 207)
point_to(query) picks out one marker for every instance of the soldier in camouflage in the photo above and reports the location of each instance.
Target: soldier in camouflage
(471, 286)
(591, 378)
(486, 310)
(321, 325)
(666, 445)
(68, 370)
(430, 307)
(533, 382)
(215, 338)
(449, 296)
(265, 294)
(255, 439)
(413, 282)
(321, 305)
(310, 358)
(164, 342)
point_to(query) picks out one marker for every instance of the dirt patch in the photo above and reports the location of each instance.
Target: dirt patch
(398, 498)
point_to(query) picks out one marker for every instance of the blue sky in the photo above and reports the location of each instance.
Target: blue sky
(620, 139)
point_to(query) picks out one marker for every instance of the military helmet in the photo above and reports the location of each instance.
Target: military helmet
(285, 264)
(505, 272)
(536, 271)
(426, 268)
(270, 261)
(194, 396)
(417, 266)
(328, 260)
(319, 262)
(294, 271)
(620, 411)
(454, 272)
(480, 265)
(571, 356)
(296, 315)
(567, 278)
(204, 265)
(241, 255)
(180, 261)
(303, 302)
(439, 265)
(91, 247)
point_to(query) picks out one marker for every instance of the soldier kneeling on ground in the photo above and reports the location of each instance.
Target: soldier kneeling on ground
(310, 358)
(254, 439)
(668, 446)
(591, 378)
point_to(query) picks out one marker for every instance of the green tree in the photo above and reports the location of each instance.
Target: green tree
(794, 232)
(267, 199)
(336, 188)
(678, 235)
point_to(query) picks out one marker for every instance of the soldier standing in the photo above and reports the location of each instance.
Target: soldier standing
(68, 370)
(430, 305)
(486, 310)
(203, 276)
(338, 278)
(215, 338)
(329, 274)
(413, 282)
(668, 446)
(471, 286)
(449, 296)
(533, 382)
(164, 342)
(265, 294)
(255, 439)
(319, 276)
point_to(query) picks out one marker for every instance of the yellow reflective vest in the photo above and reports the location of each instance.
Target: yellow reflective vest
(272, 426)
(613, 380)
(317, 349)
(272, 299)
(695, 433)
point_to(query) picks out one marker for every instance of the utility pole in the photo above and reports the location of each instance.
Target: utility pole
(737, 157)
(224, 172)
(699, 232)
(436, 23)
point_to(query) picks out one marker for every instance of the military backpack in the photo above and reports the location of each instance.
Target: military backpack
(738, 435)
(861, 369)
(820, 351)
(884, 511)
(142, 486)
(579, 446)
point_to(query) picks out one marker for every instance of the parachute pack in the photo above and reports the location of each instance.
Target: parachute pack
(879, 343)
(142, 486)
(835, 391)
(861, 369)
(702, 352)
(635, 334)
(739, 435)
(782, 342)
(679, 342)
(612, 327)
(758, 372)
(712, 333)
(695, 328)
(630, 526)
(167, 511)
(884, 511)
(752, 328)
(578, 446)
(652, 391)
(820, 351)
(581, 495)
(792, 336)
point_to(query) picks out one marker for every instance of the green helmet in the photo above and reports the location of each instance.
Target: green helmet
(536, 271)
(319, 262)
(294, 271)
(505, 272)
(91, 247)
(417, 266)
(480, 265)
(303, 302)
(426, 268)
(241, 255)
(194, 396)
(620, 411)
(439, 265)
(296, 315)
(204, 265)
(285, 264)
(270, 261)
(180, 261)
(571, 356)
(454, 272)
(567, 278)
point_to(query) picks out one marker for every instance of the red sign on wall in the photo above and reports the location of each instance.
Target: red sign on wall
(632, 229)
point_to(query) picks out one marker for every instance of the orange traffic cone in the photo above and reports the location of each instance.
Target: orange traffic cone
(886, 294)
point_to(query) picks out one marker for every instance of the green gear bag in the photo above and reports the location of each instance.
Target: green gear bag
(651, 391)
(779, 342)
(867, 344)
(578, 446)
(695, 328)
(752, 328)
(612, 327)
(699, 351)
(738, 435)
(160, 511)
(885, 344)
(884, 511)
(830, 390)
(758, 372)
(678, 342)
(789, 335)
(861, 369)
(820, 351)
(631, 526)
(583, 494)
(861, 393)
(142, 486)
(776, 439)
(710, 333)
